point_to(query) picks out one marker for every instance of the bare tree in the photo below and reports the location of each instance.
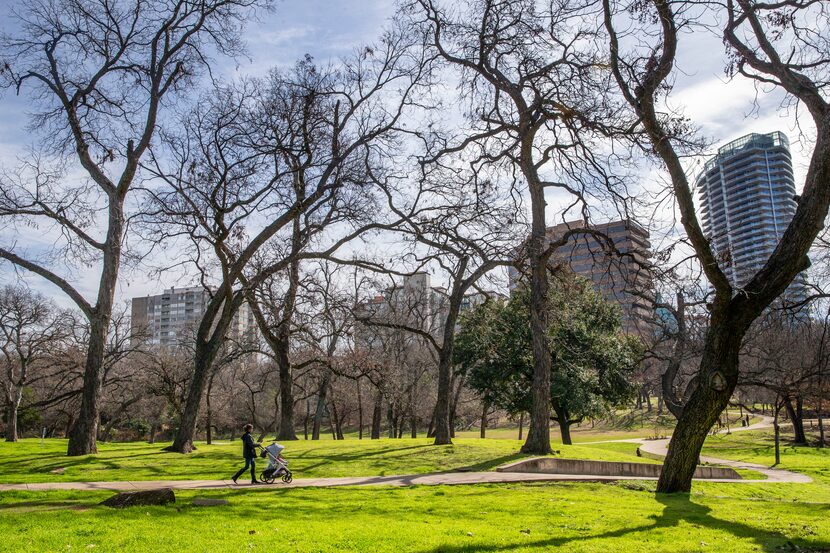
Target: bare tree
(756, 34)
(101, 72)
(464, 228)
(31, 331)
(254, 159)
(536, 105)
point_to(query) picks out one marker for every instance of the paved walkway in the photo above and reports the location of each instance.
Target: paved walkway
(656, 447)
(661, 447)
(433, 479)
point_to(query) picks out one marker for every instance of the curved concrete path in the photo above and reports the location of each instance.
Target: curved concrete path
(656, 447)
(431, 479)
(661, 447)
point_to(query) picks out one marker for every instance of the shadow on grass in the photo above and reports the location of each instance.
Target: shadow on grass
(41, 506)
(677, 508)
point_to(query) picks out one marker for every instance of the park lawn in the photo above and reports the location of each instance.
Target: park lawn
(579, 517)
(30, 461)
(625, 424)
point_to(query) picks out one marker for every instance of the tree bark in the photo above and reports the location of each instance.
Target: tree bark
(359, 412)
(209, 412)
(795, 415)
(209, 339)
(322, 391)
(413, 423)
(391, 421)
(445, 357)
(521, 424)
(13, 406)
(483, 426)
(84, 432)
(338, 423)
(305, 419)
(777, 429)
(564, 424)
(377, 414)
(538, 435)
(11, 423)
(718, 377)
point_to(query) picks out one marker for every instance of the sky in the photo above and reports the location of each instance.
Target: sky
(327, 29)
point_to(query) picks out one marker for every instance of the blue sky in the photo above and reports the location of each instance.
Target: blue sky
(330, 28)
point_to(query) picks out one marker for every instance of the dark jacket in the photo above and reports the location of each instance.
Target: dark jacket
(248, 446)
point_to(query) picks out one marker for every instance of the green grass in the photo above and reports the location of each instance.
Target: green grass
(452, 519)
(580, 517)
(27, 461)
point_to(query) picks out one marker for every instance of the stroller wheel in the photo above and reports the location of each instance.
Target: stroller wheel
(287, 477)
(267, 479)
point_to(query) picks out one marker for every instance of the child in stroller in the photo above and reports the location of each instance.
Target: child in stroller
(277, 466)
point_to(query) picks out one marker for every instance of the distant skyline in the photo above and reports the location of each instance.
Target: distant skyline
(327, 30)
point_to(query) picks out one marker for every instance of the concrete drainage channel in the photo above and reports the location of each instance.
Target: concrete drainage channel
(550, 465)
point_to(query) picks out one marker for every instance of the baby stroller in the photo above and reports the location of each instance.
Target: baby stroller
(277, 466)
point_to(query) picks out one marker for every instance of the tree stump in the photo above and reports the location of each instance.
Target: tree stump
(161, 496)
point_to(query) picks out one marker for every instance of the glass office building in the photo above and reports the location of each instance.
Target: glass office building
(748, 199)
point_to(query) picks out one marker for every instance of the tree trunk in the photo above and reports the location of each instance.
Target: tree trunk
(183, 442)
(538, 435)
(798, 421)
(105, 434)
(442, 405)
(565, 431)
(209, 339)
(11, 423)
(286, 429)
(483, 426)
(521, 424)
(209, 412)
(337, 425)
(669, 394)
(562, 418)
(718, 376)
(85, 430)
(305, 419)
(431, 427)
(321, 406)
(377, 414)
(777, 429)
(359, 412)
(413, 423)
(153, 430)
(13, 407)
(390, 420)
(445, 355)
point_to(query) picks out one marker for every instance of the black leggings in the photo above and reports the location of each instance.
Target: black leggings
(252, 464)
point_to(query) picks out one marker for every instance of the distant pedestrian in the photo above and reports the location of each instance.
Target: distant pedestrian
(249, 454)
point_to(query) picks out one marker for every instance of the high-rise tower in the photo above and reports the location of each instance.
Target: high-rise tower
(747, 193)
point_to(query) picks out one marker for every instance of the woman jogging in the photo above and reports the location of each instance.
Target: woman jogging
(249, 453)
